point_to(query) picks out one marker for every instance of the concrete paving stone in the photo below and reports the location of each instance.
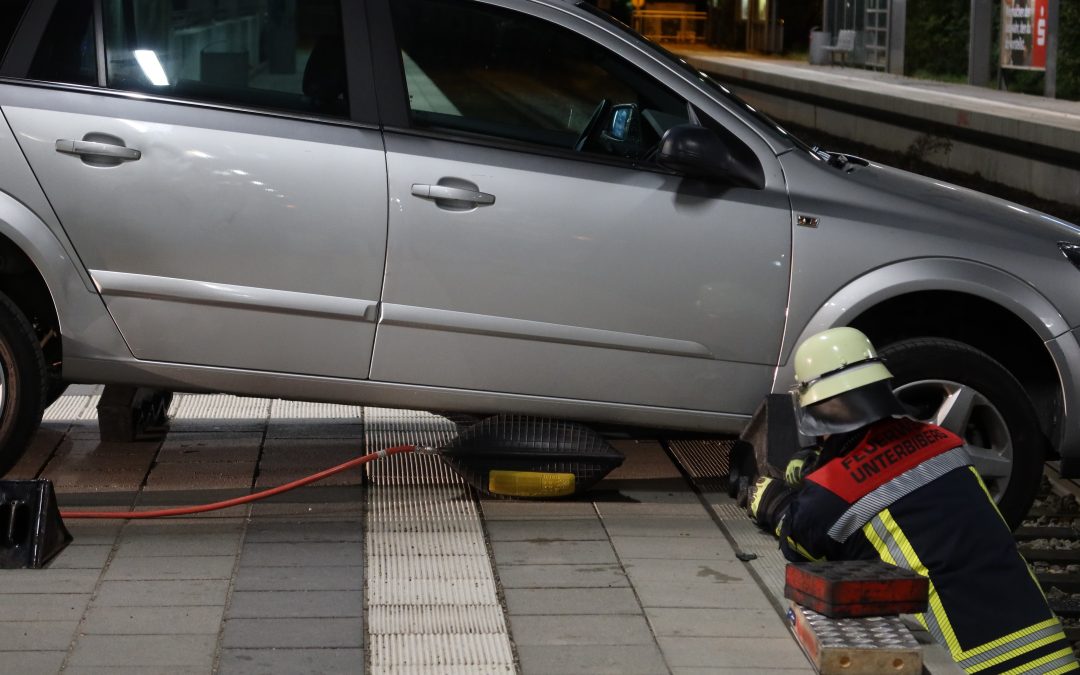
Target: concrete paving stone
(616, 629)
(21, 582)
(272, 476)
(208, 475)
(95, 532)
(688, 508)
(77, 557)
(554, 551)
(190, 593)
(36, 636)
(673, 548)
(567, 601)
(523, 510)
(562, 576)
(104, 462)
(192, 528)
(289, 510)
(197, 448)
(582, 659)
(299, 579)
(132, 670)
(175, 567)
(159, 651)
(38, 452)
(701, 594)
(44, 607)
(566, 529)
(719, 572)
(72, 450)
(293, 633)
(662, 526)
(35, 662)
(153, 621)
(137, 543)
(97, 480)
(215, 426)
(302, 555)
(286, 604)
(291, 428)
(740, 671)
(309, 452)
(690, 622)
(291, 662)
(304, 531)
(732, 652)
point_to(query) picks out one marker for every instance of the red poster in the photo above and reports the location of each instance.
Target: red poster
(1039, 30)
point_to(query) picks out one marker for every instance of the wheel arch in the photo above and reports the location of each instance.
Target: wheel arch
(970, 302)
(45, 281)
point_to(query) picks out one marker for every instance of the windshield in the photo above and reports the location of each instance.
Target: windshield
(712, 85)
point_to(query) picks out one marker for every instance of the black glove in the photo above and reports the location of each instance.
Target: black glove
(767, 500)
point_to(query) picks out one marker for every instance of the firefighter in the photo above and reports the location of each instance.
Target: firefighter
(882, 485)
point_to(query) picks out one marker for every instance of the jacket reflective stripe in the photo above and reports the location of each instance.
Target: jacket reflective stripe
(892, 546)
(881, 498)
(1061, 661)
(890, 536)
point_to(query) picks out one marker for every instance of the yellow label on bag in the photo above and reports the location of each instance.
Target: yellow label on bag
(530, 483)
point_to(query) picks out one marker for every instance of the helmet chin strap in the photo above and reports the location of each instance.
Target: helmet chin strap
(850, 411)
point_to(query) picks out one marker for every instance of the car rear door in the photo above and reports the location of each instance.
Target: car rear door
(219, 169)
(523, 259)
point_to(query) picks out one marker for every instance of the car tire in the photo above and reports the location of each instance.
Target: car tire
(22, 383)
(56, 388)
(939, 379)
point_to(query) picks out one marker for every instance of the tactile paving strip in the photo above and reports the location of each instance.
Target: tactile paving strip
(72, 408)
(214, 406)
(433, 606)
(302, 410)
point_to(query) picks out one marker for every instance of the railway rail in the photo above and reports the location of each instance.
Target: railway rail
(1049, 538)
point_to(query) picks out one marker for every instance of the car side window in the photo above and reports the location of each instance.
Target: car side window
(479, 69)
(67, 51)
(11, 12)
(254, 53)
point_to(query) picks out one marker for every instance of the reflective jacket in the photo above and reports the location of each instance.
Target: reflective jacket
(905, 492)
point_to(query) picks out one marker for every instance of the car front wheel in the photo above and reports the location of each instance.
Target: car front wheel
(966, 391)
(22, 383)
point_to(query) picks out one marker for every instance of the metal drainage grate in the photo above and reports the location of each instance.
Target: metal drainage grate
(433, 606)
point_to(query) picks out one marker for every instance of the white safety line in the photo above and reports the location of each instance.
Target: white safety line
(433, 606)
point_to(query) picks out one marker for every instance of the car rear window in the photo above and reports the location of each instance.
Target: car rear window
(10, 13)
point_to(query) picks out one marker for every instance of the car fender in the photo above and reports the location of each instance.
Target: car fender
(85, 325)
(926, 274)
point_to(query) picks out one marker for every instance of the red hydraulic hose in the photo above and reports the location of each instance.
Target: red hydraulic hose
(188, 510)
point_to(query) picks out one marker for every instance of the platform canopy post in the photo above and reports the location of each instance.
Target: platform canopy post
(980, 42)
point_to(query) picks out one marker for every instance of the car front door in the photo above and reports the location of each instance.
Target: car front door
(536, 248)
(219, 171)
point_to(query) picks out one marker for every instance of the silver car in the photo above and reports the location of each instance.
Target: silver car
(485, 206)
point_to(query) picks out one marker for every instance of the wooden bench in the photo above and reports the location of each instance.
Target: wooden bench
(845, 44)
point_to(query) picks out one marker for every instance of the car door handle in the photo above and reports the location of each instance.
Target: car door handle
(95, 149)
(456, 194)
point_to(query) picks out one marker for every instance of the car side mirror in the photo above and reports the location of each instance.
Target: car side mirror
(697, 152)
